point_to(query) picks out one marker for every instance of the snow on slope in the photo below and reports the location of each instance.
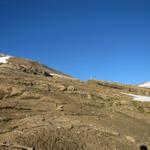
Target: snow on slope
(3, 59)
(61, 76)
(139, 97)
(146, 85)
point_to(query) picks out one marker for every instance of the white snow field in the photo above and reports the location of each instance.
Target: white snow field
(3, 59)
(146, 85)
(139, 97)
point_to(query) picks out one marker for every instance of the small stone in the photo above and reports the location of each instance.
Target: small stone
(131, 139)
(89, 96)
(71, 88)
(43, 119)
(71, 126)
(62, 88)
(60, 107)
(78, 132)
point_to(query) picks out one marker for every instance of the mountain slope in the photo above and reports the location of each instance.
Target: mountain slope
(40, 110)
(29, 66)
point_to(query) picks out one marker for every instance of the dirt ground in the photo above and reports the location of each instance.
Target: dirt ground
(40, 111)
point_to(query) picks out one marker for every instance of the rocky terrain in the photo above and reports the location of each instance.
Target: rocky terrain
(44, 109)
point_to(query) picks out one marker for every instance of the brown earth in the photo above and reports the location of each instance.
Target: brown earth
(42, 111)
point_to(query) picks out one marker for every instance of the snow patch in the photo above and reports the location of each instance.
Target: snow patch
(139, 97)
(4, 59)
(146, 85)
(61, 76)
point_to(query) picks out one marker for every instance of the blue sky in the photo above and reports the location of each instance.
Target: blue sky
(105, 39)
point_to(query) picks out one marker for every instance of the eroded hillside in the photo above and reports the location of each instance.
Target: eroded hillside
(43, 109)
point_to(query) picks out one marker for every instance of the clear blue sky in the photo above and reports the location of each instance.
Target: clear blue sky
(106, 39)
